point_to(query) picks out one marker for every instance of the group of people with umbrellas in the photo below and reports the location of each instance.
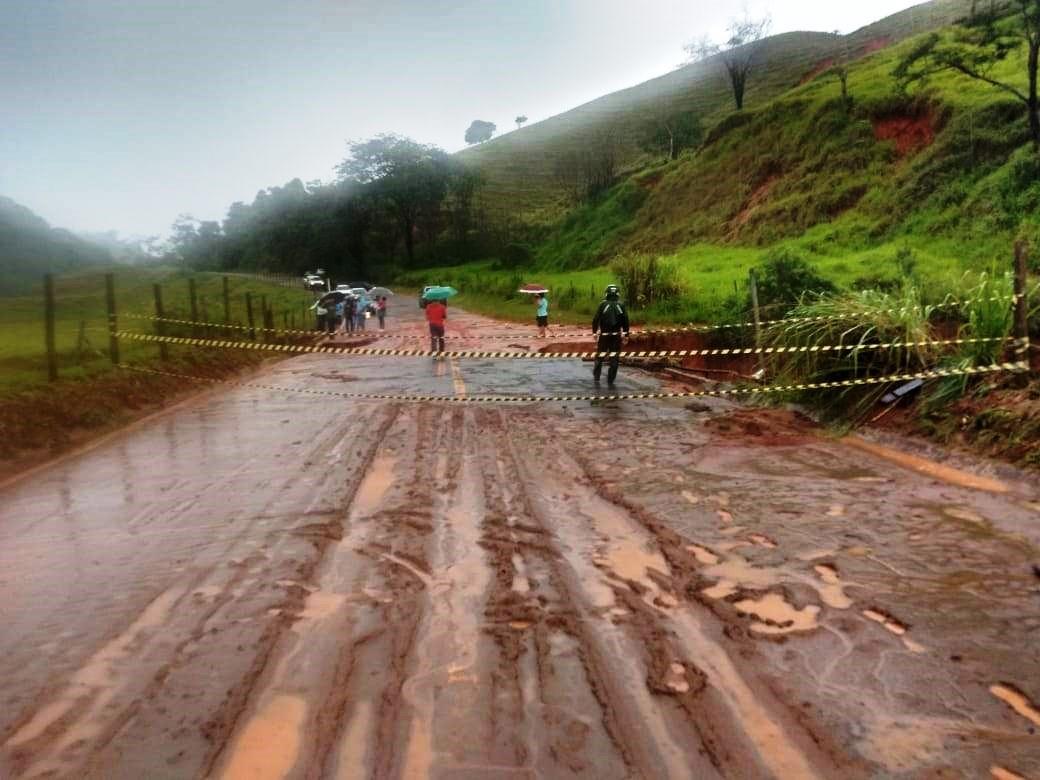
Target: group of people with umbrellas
(610, 323)
(346, 311)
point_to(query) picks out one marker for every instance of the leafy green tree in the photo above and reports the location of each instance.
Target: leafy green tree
(480, 131)
(668, 133)
(976, 46)
(520, 120)
(738, 53)
(409, 177)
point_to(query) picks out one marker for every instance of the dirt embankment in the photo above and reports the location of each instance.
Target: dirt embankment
(724, 365)
(46, 421)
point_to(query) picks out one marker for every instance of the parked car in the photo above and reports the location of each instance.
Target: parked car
(313, 282)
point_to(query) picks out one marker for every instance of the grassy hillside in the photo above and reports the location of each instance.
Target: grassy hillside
(29, 247)
(940, 176)
(519, 165)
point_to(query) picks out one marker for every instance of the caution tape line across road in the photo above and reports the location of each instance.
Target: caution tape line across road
(525, 399)
(569, 335)
(485, 354)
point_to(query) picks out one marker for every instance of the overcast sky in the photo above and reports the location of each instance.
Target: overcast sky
(122, 114)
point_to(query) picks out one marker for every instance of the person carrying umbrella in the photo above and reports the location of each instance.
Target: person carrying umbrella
(541, 314)
(436, 315)
(541, 302)
(610, 321)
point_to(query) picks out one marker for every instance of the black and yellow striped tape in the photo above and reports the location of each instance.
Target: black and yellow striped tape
(527, 399)
(691, 328)
(500, 354)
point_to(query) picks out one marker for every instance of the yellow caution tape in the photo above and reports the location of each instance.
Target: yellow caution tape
(525, 399)
(485, 354)
(647, 332)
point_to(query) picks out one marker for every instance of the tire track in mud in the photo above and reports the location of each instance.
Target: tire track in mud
(758, 722)
(740, 722)
(266, 727)
(578, 638)
(101, 702)
(113, 708)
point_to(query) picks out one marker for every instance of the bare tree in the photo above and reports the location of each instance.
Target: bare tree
(975, 49)
(738, 53)
(840, 70)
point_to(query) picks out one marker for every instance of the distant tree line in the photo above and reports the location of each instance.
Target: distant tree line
(396, 201)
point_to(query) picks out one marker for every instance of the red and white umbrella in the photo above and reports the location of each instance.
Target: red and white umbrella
(533, 289)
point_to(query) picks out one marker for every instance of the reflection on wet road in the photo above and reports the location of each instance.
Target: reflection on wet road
(263, 584)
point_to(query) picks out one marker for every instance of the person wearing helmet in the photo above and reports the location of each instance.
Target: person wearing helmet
(610, 322)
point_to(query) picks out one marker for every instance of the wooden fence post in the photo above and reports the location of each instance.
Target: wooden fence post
(193, 300)
(48, 332)
(1022, 297)
(227, 302)
(113, 322)
(753, 288)
(160, 326)
(249, 317)
(263, 319)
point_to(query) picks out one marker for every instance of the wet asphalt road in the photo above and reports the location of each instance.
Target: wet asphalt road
(263, 584)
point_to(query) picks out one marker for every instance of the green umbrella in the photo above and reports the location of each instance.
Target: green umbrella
(439, 293)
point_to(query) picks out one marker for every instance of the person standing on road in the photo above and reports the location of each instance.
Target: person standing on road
(360, 307)
(320, 314)
(381, 312)
(337, 319)
(436, 315)
(610, 321)
(542, 314)
(348, 314)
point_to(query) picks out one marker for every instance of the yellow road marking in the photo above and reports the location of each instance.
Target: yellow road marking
(456, 379)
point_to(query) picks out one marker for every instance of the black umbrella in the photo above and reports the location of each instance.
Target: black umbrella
(332, 297)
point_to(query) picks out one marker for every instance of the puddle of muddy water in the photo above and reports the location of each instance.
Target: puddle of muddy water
(354, 745)
(832, 590)
(778, 616)
(268, 747)
(703, 554)
(1017, 701)
(378, 480)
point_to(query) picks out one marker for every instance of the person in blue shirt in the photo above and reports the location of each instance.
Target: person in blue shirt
(541, 314)
(360, 306)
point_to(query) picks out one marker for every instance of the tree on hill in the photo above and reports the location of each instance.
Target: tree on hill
(480, 131)
(840, 71)
(410, 177)
(667, 133)
(738, 53)
(520, 120)
(976, 46)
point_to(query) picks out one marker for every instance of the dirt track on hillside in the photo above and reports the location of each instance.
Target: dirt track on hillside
(257, 585)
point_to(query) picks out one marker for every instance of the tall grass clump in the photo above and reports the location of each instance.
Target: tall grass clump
(987, 312)
(646, 280)
(852, 322)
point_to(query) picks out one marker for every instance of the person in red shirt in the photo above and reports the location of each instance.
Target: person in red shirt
(436, 314)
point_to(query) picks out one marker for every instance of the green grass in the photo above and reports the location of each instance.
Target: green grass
(795, 170)
(80, 299)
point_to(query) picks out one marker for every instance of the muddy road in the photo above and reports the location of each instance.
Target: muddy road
(257, 584)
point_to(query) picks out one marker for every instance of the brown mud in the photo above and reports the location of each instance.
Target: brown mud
(260, 585)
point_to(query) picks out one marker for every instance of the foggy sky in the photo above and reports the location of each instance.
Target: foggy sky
(122, 114)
